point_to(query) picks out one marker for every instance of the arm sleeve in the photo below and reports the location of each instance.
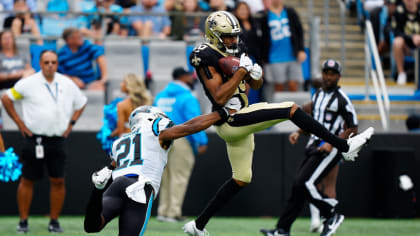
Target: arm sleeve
(18, 91)
(191, 110)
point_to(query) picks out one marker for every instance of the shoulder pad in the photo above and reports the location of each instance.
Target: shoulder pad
(202, 55)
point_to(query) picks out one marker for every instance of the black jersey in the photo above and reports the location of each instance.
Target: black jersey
(205, 55)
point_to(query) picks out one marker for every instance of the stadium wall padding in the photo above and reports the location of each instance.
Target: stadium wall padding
(366, 188)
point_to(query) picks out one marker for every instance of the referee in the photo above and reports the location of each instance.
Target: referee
(51, 105)
(331, 107)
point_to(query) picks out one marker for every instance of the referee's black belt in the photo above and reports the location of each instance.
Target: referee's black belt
(46, 138)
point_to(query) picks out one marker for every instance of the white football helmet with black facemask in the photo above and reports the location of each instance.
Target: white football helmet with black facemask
(219, 24)
(144, 115)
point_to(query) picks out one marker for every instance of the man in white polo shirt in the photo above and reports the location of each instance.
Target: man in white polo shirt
(51, 105)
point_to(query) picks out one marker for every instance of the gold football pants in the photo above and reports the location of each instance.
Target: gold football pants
(238, 133)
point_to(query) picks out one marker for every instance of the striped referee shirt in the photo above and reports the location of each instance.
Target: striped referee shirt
(333, 109)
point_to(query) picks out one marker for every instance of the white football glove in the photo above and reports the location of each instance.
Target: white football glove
(245, 62)
(256, 72)
(100, 178)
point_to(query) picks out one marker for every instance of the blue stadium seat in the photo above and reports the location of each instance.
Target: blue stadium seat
(36, 51)
(54, 25)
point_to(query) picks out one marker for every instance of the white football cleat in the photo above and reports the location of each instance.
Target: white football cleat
(192, 230)
(100, 178)
(356, 143)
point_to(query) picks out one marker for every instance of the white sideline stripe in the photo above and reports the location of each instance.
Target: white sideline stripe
(310, 183)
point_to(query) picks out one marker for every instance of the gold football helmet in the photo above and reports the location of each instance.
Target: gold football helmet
(219, 24)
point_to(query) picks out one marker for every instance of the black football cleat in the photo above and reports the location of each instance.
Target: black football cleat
(22, 227)
(54, 227)
(332, 224)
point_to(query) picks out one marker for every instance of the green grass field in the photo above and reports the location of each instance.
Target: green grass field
(223, 227)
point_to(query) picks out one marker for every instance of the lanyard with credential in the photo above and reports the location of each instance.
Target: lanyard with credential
(51, 93)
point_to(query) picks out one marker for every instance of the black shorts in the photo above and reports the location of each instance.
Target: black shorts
(54, 157)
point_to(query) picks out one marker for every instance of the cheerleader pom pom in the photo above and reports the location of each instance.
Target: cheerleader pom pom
(109, 124)
(10, 167)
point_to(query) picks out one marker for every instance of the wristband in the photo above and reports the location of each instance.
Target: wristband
(224, 113)
(73, 122)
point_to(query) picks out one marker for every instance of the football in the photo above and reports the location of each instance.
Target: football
(229, 65)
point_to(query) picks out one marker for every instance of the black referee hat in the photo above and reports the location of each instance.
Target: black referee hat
(331, 64)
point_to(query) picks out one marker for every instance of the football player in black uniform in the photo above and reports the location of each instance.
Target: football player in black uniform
(237, 130)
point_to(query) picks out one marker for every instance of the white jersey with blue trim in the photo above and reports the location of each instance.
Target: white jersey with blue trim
(139, 152)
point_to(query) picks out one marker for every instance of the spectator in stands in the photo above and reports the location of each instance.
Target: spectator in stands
(114, 24)
(369, 5)
(250, 35)
(413, 123)
(13, 66)
(266, 4)
(76, 61)
(405, 25)
(183, 26)
(126, 4)
(282, 47)
(132, 85)
(22, 22)
(54, 24)
(221, 5)
(254, 5)
(194, 24)
(146, 26)
(8, 4)
(178, 102)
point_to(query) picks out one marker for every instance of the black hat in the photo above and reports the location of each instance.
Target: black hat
(331, 64)
(179, 71)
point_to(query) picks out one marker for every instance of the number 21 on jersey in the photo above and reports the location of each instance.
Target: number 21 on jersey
(129, 152)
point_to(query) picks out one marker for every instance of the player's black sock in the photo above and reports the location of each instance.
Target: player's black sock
(93, 217)
(308, 124)
(223, 195)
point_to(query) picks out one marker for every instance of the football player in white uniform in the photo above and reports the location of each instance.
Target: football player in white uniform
(138, 161)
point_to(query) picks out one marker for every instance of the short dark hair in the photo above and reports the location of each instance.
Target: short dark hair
(69, 31)
(45, 51)
(15, 1)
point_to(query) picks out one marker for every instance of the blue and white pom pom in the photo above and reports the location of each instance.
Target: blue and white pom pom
(10, 167)
(109, 124)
